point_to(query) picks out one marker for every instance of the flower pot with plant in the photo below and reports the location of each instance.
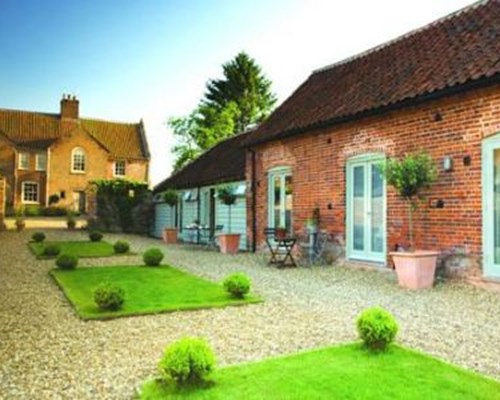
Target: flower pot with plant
(171, 198)
(20, 222)
(415, 268)
(229, 243)
(71, 220)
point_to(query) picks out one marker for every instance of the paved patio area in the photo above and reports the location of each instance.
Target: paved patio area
(47, 352)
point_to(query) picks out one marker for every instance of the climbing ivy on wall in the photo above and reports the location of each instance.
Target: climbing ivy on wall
(116, 200)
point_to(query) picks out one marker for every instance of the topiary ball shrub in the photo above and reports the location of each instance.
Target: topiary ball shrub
(38, 237)
(121, 247)
(377, 328)
(109, 297)
(51, 250)
(152, 257)
(237, 285)
(67, 261)
(187, 361)
(95, 236)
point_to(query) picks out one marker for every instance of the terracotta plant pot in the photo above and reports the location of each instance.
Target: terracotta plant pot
(229, 243)
(170, 235)
(280, 233)
(415, 269)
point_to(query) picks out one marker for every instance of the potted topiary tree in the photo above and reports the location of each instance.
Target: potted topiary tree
(229, 243)
(415, 268)
(171, 198)
(20, 222)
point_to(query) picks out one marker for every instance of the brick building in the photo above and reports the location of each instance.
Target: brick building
(42, 155)
(435, 89)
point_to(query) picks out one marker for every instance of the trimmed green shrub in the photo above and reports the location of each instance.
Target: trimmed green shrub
(95, 236)
(38, 237)
(121, 247)
(67, 261)
(187, 361)
(152, 257)
(51, 250)
(109, 297)
(238, 285)
(377, 328)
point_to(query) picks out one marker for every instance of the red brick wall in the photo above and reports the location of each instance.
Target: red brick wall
(7, 162)
(318, 161)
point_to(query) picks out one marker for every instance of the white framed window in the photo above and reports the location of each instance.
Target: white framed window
(24, 161)
(78, 160)
(120, 168)
(41, 162)
(30, 192)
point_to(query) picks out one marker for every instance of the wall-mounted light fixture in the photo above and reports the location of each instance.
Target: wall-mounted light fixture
(447, 163)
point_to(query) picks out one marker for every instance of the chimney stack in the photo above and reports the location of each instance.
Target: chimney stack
(69, 107)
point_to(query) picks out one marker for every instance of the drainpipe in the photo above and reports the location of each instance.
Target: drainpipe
(198, 206)
(253, 187)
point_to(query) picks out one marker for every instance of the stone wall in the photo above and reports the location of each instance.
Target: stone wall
(2, 202)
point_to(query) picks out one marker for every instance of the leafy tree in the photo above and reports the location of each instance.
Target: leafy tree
(185, 130)
(246, 85)
(241, 98)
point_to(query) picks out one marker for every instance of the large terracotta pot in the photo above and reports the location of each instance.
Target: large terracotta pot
(229, 243)
(415, 269)
(170, 235)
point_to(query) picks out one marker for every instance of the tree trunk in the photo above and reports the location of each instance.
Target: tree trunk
(410, 225)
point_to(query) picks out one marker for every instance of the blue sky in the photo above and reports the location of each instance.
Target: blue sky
(127, 60)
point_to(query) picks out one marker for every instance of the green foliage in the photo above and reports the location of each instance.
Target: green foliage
(70, 220)
(226, 194)
(121, 247)
(66, 261)
(54, 211)
(51, 250)
(53, 199)
(411, 174)
(116, 198)
(188, 361)
(238, 285)
(171, 197)
(377, 328)
(95, 236)
(409, 177)
(152, 257)
(244, 84)
(231, 105)
(32, 211)
(109, 297)
(38, 237)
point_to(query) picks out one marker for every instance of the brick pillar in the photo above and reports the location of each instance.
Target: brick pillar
(2, 203)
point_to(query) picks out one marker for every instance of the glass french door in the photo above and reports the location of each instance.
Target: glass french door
(366, 220)
(280, 199)
(491, 207)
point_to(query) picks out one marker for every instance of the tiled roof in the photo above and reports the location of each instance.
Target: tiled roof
(39, 130)
(452, 52)
(225, 162)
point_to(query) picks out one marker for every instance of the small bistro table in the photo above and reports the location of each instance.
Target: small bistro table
(281, 251)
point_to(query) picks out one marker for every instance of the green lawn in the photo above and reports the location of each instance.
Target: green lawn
(147, 290)
(76, 248)
(343, 372)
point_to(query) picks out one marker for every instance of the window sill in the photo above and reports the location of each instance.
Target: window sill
(79, 172)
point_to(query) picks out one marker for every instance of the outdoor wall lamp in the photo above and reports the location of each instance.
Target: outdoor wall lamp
(447, 163)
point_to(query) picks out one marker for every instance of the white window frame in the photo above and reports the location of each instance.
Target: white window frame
(23, 192)
(81, 152)
(115, 173)
(39, 156)
(21, 158)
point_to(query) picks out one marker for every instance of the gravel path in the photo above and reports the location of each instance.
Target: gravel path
(48, 352)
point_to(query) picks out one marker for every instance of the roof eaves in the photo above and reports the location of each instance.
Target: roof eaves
(410, 101)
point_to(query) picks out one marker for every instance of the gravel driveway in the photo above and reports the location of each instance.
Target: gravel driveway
(48, 352)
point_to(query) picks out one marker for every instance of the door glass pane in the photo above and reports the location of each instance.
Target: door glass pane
(277, 201)
(288, 202)
(377, 209)
(496, 205)
(358, 208)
